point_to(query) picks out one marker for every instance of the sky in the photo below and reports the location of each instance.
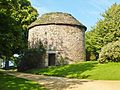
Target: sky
(86, 11)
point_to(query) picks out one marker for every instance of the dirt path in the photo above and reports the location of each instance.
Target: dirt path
(98, 85)
(59, 83)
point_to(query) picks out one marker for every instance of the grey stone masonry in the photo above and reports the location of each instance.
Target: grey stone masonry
(66, 40)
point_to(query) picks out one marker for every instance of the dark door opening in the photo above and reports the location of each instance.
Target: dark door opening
(51, 59)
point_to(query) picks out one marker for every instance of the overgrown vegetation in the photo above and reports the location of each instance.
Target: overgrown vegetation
(32, 58)
(8, 82)
(110, 53)
(84, 70)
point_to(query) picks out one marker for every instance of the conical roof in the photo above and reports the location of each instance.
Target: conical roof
(56, 18)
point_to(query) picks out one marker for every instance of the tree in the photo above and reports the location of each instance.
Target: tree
(15, 16)
(90, 46)
(105, 31)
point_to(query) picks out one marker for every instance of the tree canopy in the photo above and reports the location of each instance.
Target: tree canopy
(105, 31)
(15, 16)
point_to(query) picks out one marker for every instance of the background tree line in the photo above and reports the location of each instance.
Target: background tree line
(105, 31)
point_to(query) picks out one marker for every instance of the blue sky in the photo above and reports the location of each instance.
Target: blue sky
(86, 11)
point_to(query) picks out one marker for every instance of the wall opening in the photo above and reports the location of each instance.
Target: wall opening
(51, 59)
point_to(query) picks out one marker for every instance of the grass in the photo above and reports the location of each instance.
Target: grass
(109, 71)
(8, 82)
(84, 70)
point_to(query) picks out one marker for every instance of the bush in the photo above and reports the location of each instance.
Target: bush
(32, 58)
(91, 56)
(110, 52)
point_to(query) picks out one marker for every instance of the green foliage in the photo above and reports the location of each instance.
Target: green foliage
(110, 52)
(91, 46)
(8, 82)
(92, 57)
(105, 31)
(15, 15)
(32, 58)
(84, 70)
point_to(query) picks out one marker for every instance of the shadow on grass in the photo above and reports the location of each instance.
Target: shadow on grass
(50, 82)
(8, 82)
(70, 71)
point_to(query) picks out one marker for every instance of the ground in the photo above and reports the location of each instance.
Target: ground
(60, 83)
(83, 70)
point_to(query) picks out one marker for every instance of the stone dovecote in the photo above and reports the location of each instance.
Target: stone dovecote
(63, 36)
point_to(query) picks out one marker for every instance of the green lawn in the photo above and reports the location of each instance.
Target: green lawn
(84, 70)
(8, 82)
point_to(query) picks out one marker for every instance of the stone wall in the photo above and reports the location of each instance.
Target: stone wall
(66, 40)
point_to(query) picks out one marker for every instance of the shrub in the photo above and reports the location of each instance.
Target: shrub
(110, 52)
(32, 58)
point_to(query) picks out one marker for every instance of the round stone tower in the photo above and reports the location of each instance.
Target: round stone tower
(62, 35)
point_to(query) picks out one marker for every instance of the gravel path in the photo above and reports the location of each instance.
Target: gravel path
(60, 83)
